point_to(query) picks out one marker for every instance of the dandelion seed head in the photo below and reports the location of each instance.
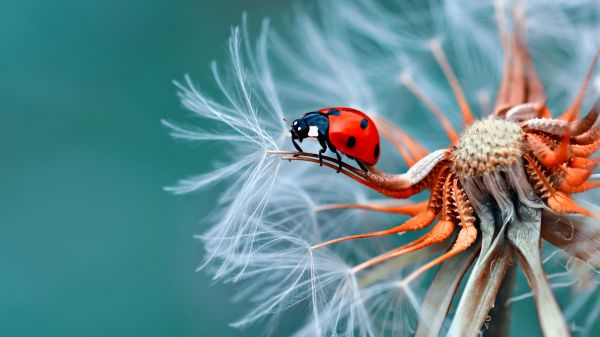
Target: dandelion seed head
(488, 146)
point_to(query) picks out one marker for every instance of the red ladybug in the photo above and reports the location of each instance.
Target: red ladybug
(348, 130)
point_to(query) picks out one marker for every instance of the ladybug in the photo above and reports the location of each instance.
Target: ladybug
(346, 130)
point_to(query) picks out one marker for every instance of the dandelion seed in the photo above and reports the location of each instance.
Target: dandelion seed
(503, 183)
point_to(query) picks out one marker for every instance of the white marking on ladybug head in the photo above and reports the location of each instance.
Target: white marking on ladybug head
(313, 131)
(295, 122)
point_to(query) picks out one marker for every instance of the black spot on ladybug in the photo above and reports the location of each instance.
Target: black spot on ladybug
(364, 123)
(333, 112)
(376, 151)
(351, 142)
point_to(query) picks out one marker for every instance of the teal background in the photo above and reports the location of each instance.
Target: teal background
(90, 244)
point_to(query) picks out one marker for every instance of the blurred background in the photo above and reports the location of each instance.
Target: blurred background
(90, 244)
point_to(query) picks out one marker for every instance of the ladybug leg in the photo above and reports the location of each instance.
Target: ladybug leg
(337, 154)
(339, 158)
(360, 164)
(298, 148)
(322, 150)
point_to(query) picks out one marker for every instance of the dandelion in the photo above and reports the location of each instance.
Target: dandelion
(498, 190)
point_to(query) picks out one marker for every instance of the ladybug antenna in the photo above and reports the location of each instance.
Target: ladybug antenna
(287, 122)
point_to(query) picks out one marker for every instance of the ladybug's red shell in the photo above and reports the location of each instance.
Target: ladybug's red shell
(353, 133)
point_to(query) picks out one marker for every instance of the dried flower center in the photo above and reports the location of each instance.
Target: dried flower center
(488, 146)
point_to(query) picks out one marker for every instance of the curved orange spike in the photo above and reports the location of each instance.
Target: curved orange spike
(417, 222)
(562, 203)
(586, 186)
(558, 201)
(404, 208)
(584, 126)
(573, 111)
(585, 150)
(507, 73)
(440, 232)
(466, 237)
(520, 83)
(584, 163)
(517, 88)
(440, 56)
(589, 136)
(547, 156)
(575, 176)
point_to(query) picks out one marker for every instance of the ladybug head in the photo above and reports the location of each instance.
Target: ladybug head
(299, 129)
